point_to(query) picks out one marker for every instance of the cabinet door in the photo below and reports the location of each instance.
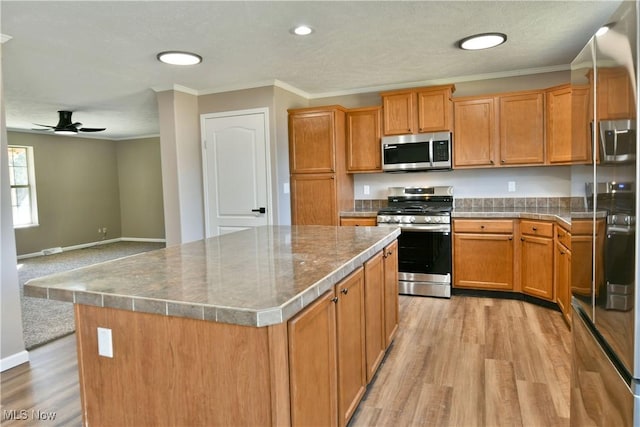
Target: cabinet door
(313, 364)
(559, 141)
(562, 277)
(474, 135)
(581, 124)
(313, 199)
(435, 110)
(398, 113)
(311, 142)
(615, 95)
(374, 318)
(363, 140)
(352, 377)
(359, 222)
(391, 290)
(521, 129)
(536, 266)
(483, 261)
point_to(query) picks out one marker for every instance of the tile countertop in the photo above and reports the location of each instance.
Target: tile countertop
(560, 215)
(254, 277)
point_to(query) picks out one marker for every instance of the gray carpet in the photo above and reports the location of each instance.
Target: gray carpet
(46, 320)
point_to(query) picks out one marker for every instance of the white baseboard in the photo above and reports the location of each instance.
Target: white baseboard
(142, 239)
(14, 360)
(90, 244)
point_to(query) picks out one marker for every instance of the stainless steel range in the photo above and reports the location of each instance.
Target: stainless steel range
(424, 246)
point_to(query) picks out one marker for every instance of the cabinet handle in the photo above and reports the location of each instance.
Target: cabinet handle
(482, 226)
(561, 253)
(510, 237)
(502, 160)
(345, 291)
(522, 239)
(492, 162)
(334, 300)
(534, 228)
(389, 253)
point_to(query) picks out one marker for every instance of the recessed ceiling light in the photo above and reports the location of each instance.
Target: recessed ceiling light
(482, 41)
(602, 30)
(302, 30)
(175, 57)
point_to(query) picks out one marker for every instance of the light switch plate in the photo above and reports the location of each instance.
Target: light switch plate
(105, 344)
(285, 188)
(512, 186)
(366, 189)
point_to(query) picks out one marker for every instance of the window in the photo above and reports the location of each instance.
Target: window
(23, 186)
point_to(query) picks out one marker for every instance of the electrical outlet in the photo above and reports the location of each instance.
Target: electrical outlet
(512, 186)
(105, 343)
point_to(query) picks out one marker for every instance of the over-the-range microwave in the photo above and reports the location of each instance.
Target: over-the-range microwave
(418, 152)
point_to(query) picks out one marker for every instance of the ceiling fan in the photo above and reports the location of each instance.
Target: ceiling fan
(66, 126)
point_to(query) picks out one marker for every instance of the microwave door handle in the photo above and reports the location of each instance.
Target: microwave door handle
(431, 152)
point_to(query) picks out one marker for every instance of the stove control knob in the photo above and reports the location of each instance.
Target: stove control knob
(412, 219)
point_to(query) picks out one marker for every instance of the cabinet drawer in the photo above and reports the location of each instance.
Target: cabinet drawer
(358, 221)
(483, 226)
(535, 228)
(563, 237)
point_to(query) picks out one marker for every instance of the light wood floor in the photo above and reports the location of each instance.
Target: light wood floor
(461, 362)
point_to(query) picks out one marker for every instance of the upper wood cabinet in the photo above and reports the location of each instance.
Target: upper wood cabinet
(320, 185)
(521, 124)
(568, 125)
(475, 133)
(314, 134)
(504, 130)
(363, 140)
(614, 96)
(417, 110)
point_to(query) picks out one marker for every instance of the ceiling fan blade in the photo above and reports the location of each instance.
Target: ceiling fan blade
(76, 124)
(46, 126)
(92, 129)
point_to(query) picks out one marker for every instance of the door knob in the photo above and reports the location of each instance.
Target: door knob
(260, 210)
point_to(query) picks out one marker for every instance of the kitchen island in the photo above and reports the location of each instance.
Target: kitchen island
(240, 329)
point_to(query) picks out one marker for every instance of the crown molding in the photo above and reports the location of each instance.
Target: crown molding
(177, 88)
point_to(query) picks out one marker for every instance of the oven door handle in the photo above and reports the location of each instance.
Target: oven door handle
(421, 228)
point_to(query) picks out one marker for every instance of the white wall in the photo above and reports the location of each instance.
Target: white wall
(543, 181)
(12, 350)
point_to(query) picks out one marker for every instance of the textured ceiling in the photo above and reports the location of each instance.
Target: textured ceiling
(98, 58)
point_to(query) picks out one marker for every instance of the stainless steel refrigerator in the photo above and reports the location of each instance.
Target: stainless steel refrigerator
(605, 383)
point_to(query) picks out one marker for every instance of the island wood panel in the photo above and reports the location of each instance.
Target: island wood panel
(169, 371)
(313, 364)
(359, 221)
(374, 292)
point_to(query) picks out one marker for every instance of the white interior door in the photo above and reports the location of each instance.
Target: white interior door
(236, 170)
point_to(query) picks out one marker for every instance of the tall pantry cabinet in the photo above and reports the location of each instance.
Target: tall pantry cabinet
(320, 185)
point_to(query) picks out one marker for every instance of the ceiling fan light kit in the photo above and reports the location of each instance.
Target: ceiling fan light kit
(66, 127)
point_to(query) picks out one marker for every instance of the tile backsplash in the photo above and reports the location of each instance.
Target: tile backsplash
(491, 202)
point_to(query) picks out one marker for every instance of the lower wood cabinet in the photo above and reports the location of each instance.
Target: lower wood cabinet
(483, 254)
(375, 313)
(391, 313)
(562, 272)
(313, 364)
(359, 221)
(536, 259)
(338, 342)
